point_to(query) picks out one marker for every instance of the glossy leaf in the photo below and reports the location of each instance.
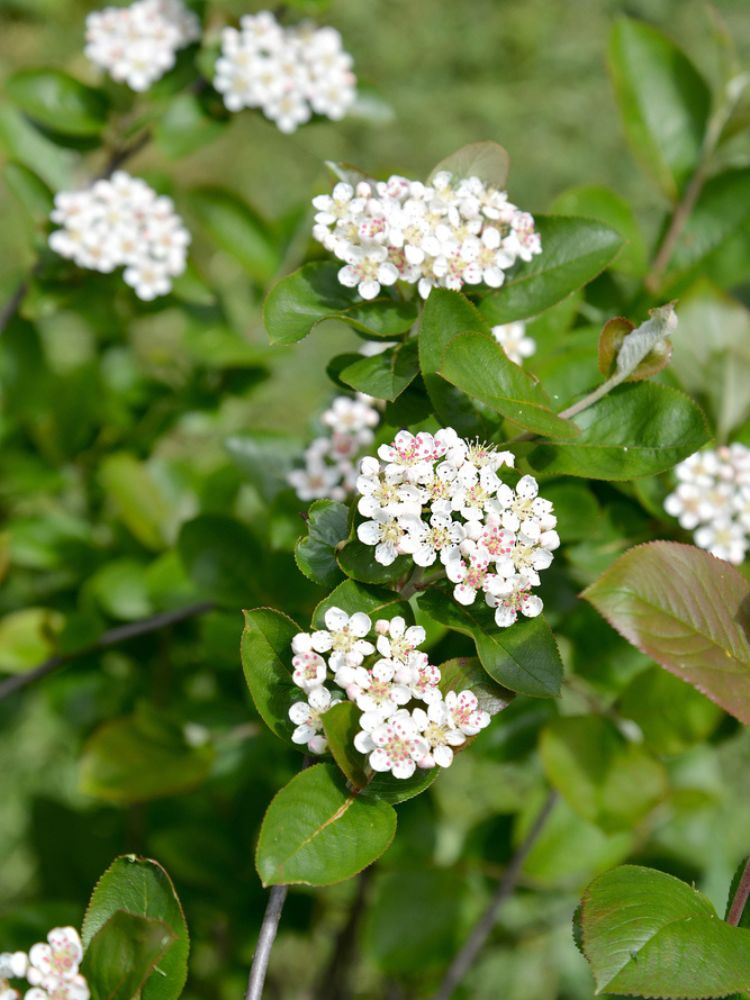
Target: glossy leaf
(31, 191)
(267, 664)
(141, 887)
(605, 779)
(123, 954)
(60, 102)
(523, 657)
(664, 102)
(317, 832)
(297, 303)
(635, 430)
(477, 365)
(315, 552)
(592, 201)
(646, 933)
(486, 160)
(185, 126)
(238, 229)
(351, 597)
(137, 498)
(358, 561)
(574, 251)
(688, 611)
(386, 375)
(222, 559)
(464, 673)
(266, 457)
(142, 757)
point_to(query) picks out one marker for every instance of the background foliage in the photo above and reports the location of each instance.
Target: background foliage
(130, 485)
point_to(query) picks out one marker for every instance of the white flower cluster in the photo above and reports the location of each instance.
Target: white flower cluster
(330, 470)
(440, 496)
(444, 234)
(136, 45)
(122, 222)
(513, 340)
(51, 969)
(712, 499)
(384, 679)
(289, 73)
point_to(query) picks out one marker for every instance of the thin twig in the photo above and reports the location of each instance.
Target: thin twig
(110, 638)
(334, 983)
(478, 937)
(266, 938)
(740, 897)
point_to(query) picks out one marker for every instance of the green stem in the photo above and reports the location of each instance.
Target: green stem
(741, 895)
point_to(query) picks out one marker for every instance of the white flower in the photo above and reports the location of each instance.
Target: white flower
(306, 716)
(344, 636)
(513, 340)
(136, 45)
(724, 539)
(440, 732)
(121, 222)
(386, 532)
(309, 670)
(59, 957)
(397, 746)
(13, 964)
(395, 640)
(424, 677)
(367, 268)
(470, 576)
(511, 596)
(463, 712)
(441, 536)
(381, 693)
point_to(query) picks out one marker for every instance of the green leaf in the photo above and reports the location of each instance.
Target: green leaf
(386, 375)
(137, 498)
(593, 201)
(574, 251)
(317, 832)
(238, 229)
(185, 126)
(266, 458)
(639, 429)
(58, 101)
(649, 934)
(445, 315)
(464, 673)
(222, 559)
(358, 561)
(34, 195)
(605, 779)
(315, 552)
(688, 611)
(477, 365)
(523, 657)
(486, 160)
(351, 597)
(672, 715)
(297, 303)
(664, 102)
(28, 637)
(142, 757)
(141, 887)
(267, 665)
(123, 954)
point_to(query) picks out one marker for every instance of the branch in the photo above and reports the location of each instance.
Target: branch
(741, 895)
(266, 938)
(478, 937)
(111, 638)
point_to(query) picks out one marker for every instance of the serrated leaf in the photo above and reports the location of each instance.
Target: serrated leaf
(141, 887)
(639, 429)
(477, 365)
(664, 102)
(317, 832)
(648, 934)
(523, 657)
(574, 251)
(123, 954)
(351, 597)
(386, 375)
(488, 161)
(267, 664)
(315, 552)
(688, 611)
(299, 302)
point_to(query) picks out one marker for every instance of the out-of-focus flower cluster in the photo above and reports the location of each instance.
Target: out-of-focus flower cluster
(513, 340)
(289, 73)
(445, 234)
(50, 968)
(712, 499)
(440, 496)
(136, 45)
(330, 461)
(122, 222)
(406, 722)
